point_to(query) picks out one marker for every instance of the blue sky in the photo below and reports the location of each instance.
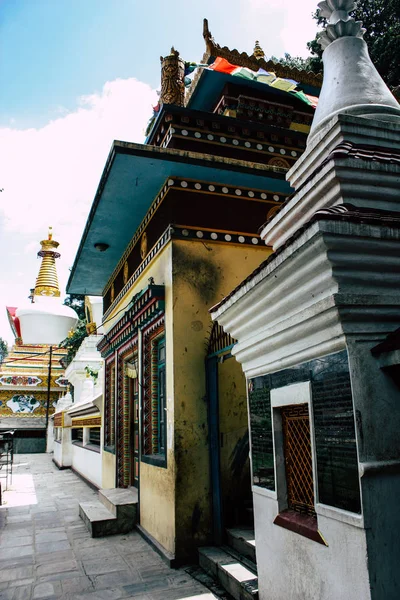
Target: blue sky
(77, 74)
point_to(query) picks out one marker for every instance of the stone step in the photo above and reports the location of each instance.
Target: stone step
(243, 541)
(120, 501)
(236, 578)
(97, 518)
(114, 512)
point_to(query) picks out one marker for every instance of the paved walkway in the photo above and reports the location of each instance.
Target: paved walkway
(46, 551)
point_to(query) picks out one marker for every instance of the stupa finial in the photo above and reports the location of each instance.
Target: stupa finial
(351, 85)
(47, 280)
(258, 52)
(340, 23)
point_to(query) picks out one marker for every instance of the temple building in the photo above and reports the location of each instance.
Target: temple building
(317, 330)
(31, 377)
(173, 227)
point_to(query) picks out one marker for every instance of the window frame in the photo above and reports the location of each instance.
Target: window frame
(290, 395)
(152, 347)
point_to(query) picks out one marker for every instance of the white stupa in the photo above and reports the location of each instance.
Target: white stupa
(46, 320)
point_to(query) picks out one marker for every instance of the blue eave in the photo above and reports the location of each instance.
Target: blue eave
(211, 83)
(132, 177)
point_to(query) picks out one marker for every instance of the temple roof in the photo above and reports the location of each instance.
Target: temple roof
(133, 176)
(253, 61)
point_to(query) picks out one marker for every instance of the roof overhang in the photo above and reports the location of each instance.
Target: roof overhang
(210, 84)
(132, 177)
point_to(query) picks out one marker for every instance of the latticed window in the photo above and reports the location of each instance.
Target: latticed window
(298, 458)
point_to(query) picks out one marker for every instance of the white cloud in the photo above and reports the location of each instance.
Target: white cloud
(50, 176)
(281, 25)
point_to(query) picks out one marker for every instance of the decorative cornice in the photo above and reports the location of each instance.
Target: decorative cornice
(145, 306)
(242, 59)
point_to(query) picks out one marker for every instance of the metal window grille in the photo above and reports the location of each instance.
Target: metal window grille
(94, 436)
(298, 458)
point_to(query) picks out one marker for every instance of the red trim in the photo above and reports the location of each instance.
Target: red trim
(300, 523)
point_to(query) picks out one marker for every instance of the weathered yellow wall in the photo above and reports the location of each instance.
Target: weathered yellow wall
(203, 273)
(108, 470)
(157, 485)
(233, 426)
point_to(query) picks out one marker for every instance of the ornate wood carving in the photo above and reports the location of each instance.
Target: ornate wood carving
(172, 76)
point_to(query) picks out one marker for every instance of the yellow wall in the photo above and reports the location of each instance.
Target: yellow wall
(203, 273)
(157, 485)
(175, 505)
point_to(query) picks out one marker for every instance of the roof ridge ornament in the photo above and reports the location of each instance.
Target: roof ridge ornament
(258, 52)
(340, 23)
(351, 83)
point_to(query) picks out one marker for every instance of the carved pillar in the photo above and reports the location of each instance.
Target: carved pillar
(172, 75)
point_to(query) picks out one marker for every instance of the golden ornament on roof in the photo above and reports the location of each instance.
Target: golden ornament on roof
(258, 52)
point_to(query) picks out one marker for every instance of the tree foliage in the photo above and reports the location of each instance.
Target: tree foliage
(3, 349)
(77, 302)
(75, 339)
(381, 19)
(294, 62)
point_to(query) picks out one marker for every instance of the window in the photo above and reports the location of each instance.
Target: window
(154, 441)
(94, 436)
(298, 458)
(161, 396)
(77, 435)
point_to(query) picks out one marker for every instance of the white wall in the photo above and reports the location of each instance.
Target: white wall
(286, 560)
(87, 463)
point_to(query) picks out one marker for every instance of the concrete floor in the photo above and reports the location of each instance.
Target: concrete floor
(46, 551)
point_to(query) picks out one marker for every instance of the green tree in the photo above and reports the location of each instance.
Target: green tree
(3, 349)
(381, 19)
(75, 339)
(77, 302)
(296, 62)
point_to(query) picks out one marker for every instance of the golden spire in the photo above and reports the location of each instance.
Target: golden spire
(258, 52)
(47, 281)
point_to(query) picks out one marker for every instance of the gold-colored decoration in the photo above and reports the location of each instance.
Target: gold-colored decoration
(279, 162)
(87, 422)
(91, 328)
(47, 280)
(126, 272)
(172, 79)
(143, 246)
(258, 52)
(58, 420)
(112, 293)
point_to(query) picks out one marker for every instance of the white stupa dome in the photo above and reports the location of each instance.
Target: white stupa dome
(46, 320)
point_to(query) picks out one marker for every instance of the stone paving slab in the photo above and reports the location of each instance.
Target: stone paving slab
(47, 553)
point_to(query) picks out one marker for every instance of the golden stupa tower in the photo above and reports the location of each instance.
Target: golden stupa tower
(47, 280)
(46, 320)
